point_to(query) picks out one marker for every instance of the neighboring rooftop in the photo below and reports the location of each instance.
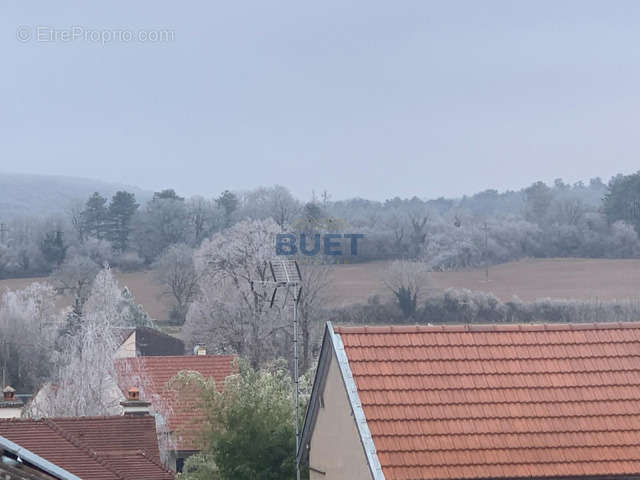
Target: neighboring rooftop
(505, 401)
(96, 448)
(145, 341)
(185, 417)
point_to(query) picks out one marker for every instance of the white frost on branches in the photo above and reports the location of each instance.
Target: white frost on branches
(83, 383)
(232, 313)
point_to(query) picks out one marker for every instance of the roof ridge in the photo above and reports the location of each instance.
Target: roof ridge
(173, 357)
(101, 417)
(482, 327)
(80, 445)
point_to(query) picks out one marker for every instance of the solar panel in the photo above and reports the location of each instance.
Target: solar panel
(285, 271)
(287, 281)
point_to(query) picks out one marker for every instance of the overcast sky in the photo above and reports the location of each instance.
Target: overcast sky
(371, 98)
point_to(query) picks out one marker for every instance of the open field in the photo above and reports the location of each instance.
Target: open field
(141, 284)
(528, 279)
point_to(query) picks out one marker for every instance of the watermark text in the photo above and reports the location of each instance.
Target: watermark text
(86, 34)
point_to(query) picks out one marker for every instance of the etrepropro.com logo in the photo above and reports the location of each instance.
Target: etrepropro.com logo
(95, 35)
(336, 244)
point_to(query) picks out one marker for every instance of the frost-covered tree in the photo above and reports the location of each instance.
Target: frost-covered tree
(176, 272)
(313, 297)
(163, 222)
(75, 277)
(28, 325)
(232, 312)
(84, 379)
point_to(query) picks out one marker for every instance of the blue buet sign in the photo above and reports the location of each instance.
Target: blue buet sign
(318, 244)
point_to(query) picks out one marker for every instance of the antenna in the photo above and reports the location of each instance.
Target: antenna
(485, 228)
(286, 274)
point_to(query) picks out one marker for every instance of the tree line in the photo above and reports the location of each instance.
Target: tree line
(559, 220)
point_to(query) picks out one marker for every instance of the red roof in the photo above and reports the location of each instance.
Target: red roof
(96, 448)
(457, 402)
(185, 419)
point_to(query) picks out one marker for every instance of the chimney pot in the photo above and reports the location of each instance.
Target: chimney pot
(8, 394)
(10, 405)
(133, 394)
(133, 405)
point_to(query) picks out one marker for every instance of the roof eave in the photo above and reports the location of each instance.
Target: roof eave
(318, 385)
(333, 340)
(36, 460)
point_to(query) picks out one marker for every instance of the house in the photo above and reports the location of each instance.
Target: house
(10, 405)
(473, 401)
(133, 343)
(96, 448)
(184, 415)
(19, 463)
(144, 341)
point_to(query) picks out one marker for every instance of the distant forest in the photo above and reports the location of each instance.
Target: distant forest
(591, 219)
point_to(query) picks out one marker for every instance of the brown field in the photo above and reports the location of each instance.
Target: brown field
(527, 279)
(141, 284)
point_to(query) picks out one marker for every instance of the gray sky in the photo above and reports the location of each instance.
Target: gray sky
(371, 98)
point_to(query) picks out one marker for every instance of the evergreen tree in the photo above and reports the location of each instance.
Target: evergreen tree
(73, 320)
(53, 248)
(228, 202)
(94, 216)
(121, 210)
(134, 314)
(167, 194)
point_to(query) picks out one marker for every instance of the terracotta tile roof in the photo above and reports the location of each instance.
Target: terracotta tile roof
(100, 448)
(22, 473)
(456, 402)
(185, 418)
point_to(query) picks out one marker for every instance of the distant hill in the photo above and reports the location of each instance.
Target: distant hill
(43, 195)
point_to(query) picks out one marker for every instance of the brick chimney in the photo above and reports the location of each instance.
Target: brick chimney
(200, 349)
(133, 405)
(10, 405)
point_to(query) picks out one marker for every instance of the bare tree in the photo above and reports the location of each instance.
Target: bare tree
(284, 207)
(232, 311)
(203, 219)
(406, 281)
(74, 212)
(315, 284)
(418, 235)
(75, 276)
(176, 271)
(28, 324)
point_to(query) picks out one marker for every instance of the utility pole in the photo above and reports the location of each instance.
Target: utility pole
(296, 378)
(286, 274)
(486, 251)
